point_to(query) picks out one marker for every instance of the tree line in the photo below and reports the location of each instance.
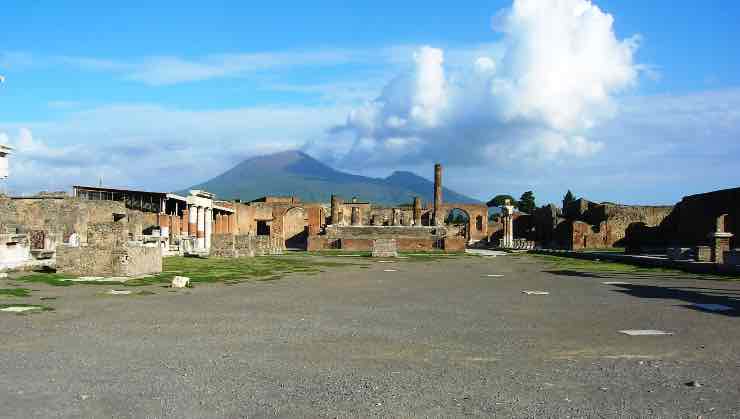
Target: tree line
(526, 203)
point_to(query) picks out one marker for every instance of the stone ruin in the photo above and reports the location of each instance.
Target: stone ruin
(357, 226)
(108, 252)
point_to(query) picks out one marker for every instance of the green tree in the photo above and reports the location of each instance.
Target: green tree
(527, 203)
(568, 198)
(499, 200)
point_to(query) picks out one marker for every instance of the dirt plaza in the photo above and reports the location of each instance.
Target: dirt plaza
(325, 335)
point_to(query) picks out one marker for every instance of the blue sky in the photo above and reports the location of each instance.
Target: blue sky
(165, 95)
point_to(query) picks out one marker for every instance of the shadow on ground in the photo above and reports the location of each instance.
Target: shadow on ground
(692, 295)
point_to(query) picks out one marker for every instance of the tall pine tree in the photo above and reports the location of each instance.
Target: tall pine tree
(527, 203)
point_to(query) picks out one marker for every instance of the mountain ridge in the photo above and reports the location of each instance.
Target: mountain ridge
(297, 173)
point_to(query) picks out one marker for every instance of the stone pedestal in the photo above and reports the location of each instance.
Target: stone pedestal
(703, 253)
(385, 248)
(720, 245)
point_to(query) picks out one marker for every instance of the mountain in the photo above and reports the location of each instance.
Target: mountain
(296, 173)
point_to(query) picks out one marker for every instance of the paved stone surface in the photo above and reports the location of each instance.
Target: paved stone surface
(437, 339)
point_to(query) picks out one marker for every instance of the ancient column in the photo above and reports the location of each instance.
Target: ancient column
(201, 235)
(720, 240)
(164, 226)
(184, 222)
(218, 226)
(438, 216)
(232, 223)
(209, 227)
(192, 220)
(335, 204)
(417, 211)
(508, 220)
(355, 216)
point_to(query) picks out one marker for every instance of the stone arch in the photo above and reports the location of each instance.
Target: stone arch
(295, 228)
(462, 226)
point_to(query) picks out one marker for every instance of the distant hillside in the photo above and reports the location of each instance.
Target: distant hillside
(296, 173)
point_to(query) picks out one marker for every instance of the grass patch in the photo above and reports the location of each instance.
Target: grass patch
(211, 270)
(53, 279)
(206, 270)
(15, 292)
(231, 271)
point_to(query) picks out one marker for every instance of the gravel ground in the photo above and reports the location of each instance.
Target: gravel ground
(433, 339)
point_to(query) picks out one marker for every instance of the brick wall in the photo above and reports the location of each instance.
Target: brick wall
(235, 246)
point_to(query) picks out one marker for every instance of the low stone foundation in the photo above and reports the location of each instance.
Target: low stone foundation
(236, 246)
(384, 248)
(453, 244)
(131, 260)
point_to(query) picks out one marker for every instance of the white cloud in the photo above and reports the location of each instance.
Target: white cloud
(170, 70)
(153, 147)
(538, 95)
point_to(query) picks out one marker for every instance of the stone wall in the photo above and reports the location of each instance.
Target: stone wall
(695, 216)
(108, 252)
(84, 261)
(376, 232)
(235, 246)
(138, 260)
(588, 225)
(97, 261)
(63, 216)
(454, 244)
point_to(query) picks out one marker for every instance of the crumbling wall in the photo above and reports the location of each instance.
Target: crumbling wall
(588, 225)
(84, 261)
(695, 217)
(8, 218)
(107, 252)
(63, 216)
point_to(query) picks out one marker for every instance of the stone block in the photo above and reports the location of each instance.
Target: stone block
(454, 244)
(385, 248)
(180, 282)
(317, 243)
(703, 253)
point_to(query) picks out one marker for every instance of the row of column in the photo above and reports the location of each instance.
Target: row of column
(202, 224)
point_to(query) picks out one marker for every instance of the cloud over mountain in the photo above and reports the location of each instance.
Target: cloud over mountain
(555, 81)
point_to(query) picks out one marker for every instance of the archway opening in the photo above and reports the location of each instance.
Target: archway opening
(458, 223)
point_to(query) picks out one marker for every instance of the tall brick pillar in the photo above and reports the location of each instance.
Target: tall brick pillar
(720, 240)
(335, 204)
(417, 211)
(184, 221)
(192, 220)
(438, 216)
(164, 225)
